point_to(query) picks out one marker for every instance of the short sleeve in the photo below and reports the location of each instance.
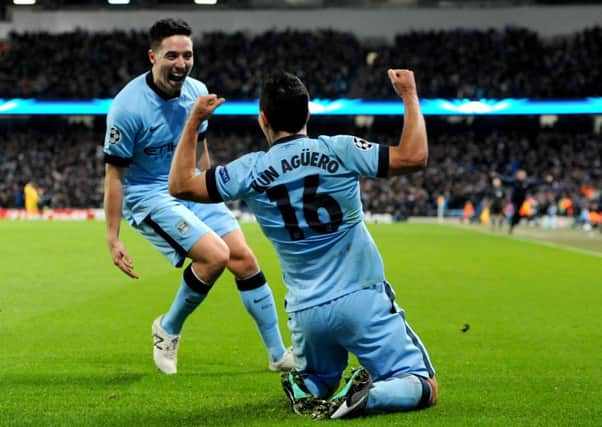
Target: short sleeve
(361, 156)
(120, 137)
(232, 181)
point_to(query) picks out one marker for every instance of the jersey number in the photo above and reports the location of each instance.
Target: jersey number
(312, 201)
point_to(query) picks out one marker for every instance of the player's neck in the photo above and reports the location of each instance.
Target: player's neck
(160, 89)
(275, 136)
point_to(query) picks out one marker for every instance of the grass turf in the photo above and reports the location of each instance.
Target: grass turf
(76, 347)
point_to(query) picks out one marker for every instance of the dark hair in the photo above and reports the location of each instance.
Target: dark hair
(166, 28)
(285, 101)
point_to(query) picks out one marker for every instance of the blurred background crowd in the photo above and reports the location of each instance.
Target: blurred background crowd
(513, 62)
(63, 158)
(65, 162)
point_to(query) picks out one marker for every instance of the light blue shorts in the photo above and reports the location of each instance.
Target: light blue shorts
(367, 323)
(176, 225)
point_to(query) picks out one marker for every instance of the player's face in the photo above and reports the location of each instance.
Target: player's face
(172, 63)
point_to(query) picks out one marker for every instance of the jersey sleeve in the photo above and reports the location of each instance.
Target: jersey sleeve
(120, 137)
(231, 181)
(362, 157)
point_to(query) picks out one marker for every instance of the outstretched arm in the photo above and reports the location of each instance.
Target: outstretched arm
(412, 152)
(183, 182)
(534, 182)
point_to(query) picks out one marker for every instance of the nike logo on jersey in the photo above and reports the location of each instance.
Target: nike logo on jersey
(154, 128)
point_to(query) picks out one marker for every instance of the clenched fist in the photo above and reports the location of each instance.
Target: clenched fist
(403, 82)
(205, 106)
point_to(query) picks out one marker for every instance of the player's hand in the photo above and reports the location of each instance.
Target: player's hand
(403, 82)
(122, 259)
(549, 179)
(205, 106)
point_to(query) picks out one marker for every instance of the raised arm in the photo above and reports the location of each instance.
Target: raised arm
(183, 182)
(204, 157)
(412, 152)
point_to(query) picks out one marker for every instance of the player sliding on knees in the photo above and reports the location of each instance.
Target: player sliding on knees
(305, 194)
(143, 127)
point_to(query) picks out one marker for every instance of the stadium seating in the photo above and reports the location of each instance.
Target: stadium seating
(514, 62)
(66, 160)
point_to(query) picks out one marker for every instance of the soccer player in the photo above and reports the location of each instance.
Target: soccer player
(521, 185)
(143, 127)
(497, 198)
(305, 194)
(31, 194)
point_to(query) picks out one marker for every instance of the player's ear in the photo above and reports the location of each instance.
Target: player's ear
(263, 120)
(151, 56)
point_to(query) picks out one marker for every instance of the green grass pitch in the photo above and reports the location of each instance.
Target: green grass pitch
(75, 345)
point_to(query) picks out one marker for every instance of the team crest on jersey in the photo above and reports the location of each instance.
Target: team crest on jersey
(114, 135)
(362, 144)
(182, 227)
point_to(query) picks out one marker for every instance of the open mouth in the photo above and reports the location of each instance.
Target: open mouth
(176, 77)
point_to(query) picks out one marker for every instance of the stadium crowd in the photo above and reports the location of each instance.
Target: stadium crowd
(459, 63)
(66, 161)
(63, 161)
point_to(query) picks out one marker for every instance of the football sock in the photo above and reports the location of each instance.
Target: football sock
(191, 293)
(402, 393)
(320, 389)
(257, 298)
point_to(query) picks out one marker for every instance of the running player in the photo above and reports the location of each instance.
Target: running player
(143, 127)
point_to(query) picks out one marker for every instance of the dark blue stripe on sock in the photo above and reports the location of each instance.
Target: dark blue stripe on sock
(427, 391)
(255, 281)
(195, 284)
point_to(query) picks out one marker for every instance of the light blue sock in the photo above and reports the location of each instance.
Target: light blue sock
(323, 386)
(402, 393)
(257, 298)
(191, 293)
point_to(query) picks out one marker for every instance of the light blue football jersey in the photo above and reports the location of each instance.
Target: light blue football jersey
(143, 129)
(305, 194)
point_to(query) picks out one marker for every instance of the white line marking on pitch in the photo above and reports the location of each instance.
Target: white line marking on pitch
(526, 240)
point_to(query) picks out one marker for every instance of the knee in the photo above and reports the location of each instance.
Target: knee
(242, 261)
(210, 254)
(218, 255)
